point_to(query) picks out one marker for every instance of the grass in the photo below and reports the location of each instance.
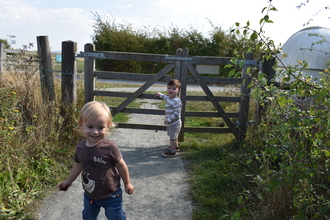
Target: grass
(79, 62)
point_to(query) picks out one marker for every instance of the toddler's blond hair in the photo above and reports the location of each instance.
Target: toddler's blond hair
(94, 109)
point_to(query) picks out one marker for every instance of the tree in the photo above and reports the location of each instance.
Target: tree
(5, 42)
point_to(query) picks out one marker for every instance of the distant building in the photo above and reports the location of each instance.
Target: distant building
(310, 44)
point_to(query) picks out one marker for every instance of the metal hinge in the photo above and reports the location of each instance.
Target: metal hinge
(251, 62)
(90, 54)
(177, 58)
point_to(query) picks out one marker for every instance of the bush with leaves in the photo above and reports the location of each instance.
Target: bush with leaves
(112, 36)
(289, 149)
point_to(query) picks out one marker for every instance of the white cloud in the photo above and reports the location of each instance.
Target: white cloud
(68, 20)
(27, 22)
(124, 6)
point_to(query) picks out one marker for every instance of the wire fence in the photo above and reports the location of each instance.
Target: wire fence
(13, 66)
(22, 74)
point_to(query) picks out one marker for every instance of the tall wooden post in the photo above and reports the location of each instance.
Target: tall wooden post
(177, 70)
(245, 100)
(268, 69)
(183, 94)
(69, 72)
(2, 58)
(89, 66)
(46, 71)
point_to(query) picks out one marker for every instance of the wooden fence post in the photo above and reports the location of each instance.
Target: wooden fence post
(268, 69)
(177, 70)
(183, 94)
(45, 67)
(69, 72)
(245, 100)
(2, 58)
(89, 66)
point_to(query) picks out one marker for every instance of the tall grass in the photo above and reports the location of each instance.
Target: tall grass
(37, 138)
(35, 147)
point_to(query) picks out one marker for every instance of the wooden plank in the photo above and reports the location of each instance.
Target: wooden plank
(88, 74)
(183, 92)
(69, 72)
(128, 76)
(129, 56)
(141, 126)
(245, 100)
(46, 71)
(210, 60)
(218, 98)
(146, 77)
(216, 80)
(217, 130)
(123, 94)
(210, 114)
(216, 104)
(141, 111)
(113, 55)
(187, 113)
(152, 96)
(177, 69)
(138, 92)
(207, 130)
(2, 59)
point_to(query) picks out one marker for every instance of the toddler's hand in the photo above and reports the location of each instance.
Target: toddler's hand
(64, 186)
(129, 189)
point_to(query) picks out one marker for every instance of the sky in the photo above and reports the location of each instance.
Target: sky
(63, 20)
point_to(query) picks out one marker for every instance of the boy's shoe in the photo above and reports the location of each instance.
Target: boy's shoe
(168, 154)
(177, 149)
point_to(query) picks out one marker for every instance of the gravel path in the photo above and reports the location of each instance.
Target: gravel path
(161, 187)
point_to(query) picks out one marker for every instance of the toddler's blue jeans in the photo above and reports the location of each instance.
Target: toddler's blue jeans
(113, 206)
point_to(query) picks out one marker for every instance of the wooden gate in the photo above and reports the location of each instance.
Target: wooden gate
(181, 63)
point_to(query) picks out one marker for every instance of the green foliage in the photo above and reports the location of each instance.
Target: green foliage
(5, 42)
(112, 36)
(30, 152)
(287, 152)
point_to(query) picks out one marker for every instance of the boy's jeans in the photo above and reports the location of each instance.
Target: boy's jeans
(113, 206)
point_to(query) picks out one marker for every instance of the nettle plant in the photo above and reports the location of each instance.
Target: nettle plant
(290, 148)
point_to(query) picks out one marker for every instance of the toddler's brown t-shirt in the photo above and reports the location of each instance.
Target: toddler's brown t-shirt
(100, 177)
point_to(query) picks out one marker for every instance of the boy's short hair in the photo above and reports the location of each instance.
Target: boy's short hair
(94, 109)
(174, 82)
